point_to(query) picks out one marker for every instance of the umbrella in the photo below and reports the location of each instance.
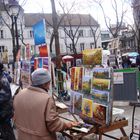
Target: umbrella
(67, 58)
(133, 54)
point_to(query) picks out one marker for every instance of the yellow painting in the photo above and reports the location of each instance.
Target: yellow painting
(92, 56)
(101, 84)
(87, 107)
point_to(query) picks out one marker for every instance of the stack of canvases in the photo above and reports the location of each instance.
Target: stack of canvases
(91, 89)
(42, 60)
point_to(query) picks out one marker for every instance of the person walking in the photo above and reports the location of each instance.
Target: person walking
(35, 112)
(6, 107)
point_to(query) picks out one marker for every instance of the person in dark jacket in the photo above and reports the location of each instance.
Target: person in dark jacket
(6, 108)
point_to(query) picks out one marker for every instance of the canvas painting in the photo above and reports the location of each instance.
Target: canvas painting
(40, 62)
(35, 63)
(92, 56)
(77, 102)
(26, 66)
(86, 85)
(72, 71)
(99, 113)
(100, 96)
(25, 78)
(43, 51)
(76, 78)
(103, 73)
(45, 61)
(101, 84)
(87, 107)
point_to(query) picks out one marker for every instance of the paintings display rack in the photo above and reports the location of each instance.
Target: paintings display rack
(92, 90)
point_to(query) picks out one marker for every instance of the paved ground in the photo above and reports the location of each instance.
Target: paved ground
(128, 115)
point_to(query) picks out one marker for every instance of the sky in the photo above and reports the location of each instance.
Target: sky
(83, 7)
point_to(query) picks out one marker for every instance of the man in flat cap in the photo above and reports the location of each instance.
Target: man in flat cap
(35, 113)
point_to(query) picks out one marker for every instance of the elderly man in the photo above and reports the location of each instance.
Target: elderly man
(35, 113)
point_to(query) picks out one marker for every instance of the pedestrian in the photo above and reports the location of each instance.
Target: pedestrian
(35, 112)
(6, 108)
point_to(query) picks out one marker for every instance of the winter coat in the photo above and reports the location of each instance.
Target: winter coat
(6, 106)
(35, 115)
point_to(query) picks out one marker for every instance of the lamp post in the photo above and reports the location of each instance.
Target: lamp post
(14, 12)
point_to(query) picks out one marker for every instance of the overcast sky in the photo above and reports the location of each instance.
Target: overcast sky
(81, 6)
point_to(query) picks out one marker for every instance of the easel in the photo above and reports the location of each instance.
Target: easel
(100, 130)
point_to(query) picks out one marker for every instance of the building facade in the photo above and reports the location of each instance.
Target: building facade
(87, 31)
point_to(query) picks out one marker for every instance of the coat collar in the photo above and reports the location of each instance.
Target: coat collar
(37, 89)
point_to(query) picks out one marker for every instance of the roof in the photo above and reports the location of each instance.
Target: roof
(86, 20)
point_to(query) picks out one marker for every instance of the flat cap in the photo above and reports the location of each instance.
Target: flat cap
(40, 76)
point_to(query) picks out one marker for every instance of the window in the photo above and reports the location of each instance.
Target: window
(91, 33)
(82, 46)
(1, 34)
(81, 33)
(92, 45)
(31, 34)
(1, 21)
(2, 48)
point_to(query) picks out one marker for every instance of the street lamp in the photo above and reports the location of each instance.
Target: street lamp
(14, 12)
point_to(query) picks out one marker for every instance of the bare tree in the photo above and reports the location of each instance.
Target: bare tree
(71, 32)
(119, 19)
(94, 31)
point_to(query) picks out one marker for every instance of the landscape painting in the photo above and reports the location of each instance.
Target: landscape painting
(100, 96)
(101, 84)
(103, 73)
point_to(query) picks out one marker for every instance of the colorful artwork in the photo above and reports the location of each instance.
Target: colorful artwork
(35, 63)
(87, 107)
(26, 66)
(43, 51)
(25, 78)
(39, 30)
(99, 113)
(101, 84)
(100, 96)
(40, 63)
(77, 103)
(92, 56)
(76, 78)
(86, 85)
(103, 73)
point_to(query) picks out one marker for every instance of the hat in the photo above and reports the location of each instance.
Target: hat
(40, 76)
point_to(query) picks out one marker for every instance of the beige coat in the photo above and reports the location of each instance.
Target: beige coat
(35, 115)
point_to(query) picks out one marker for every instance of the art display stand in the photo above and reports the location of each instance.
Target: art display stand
(92, 97)
(101, 131)
(39, 57)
